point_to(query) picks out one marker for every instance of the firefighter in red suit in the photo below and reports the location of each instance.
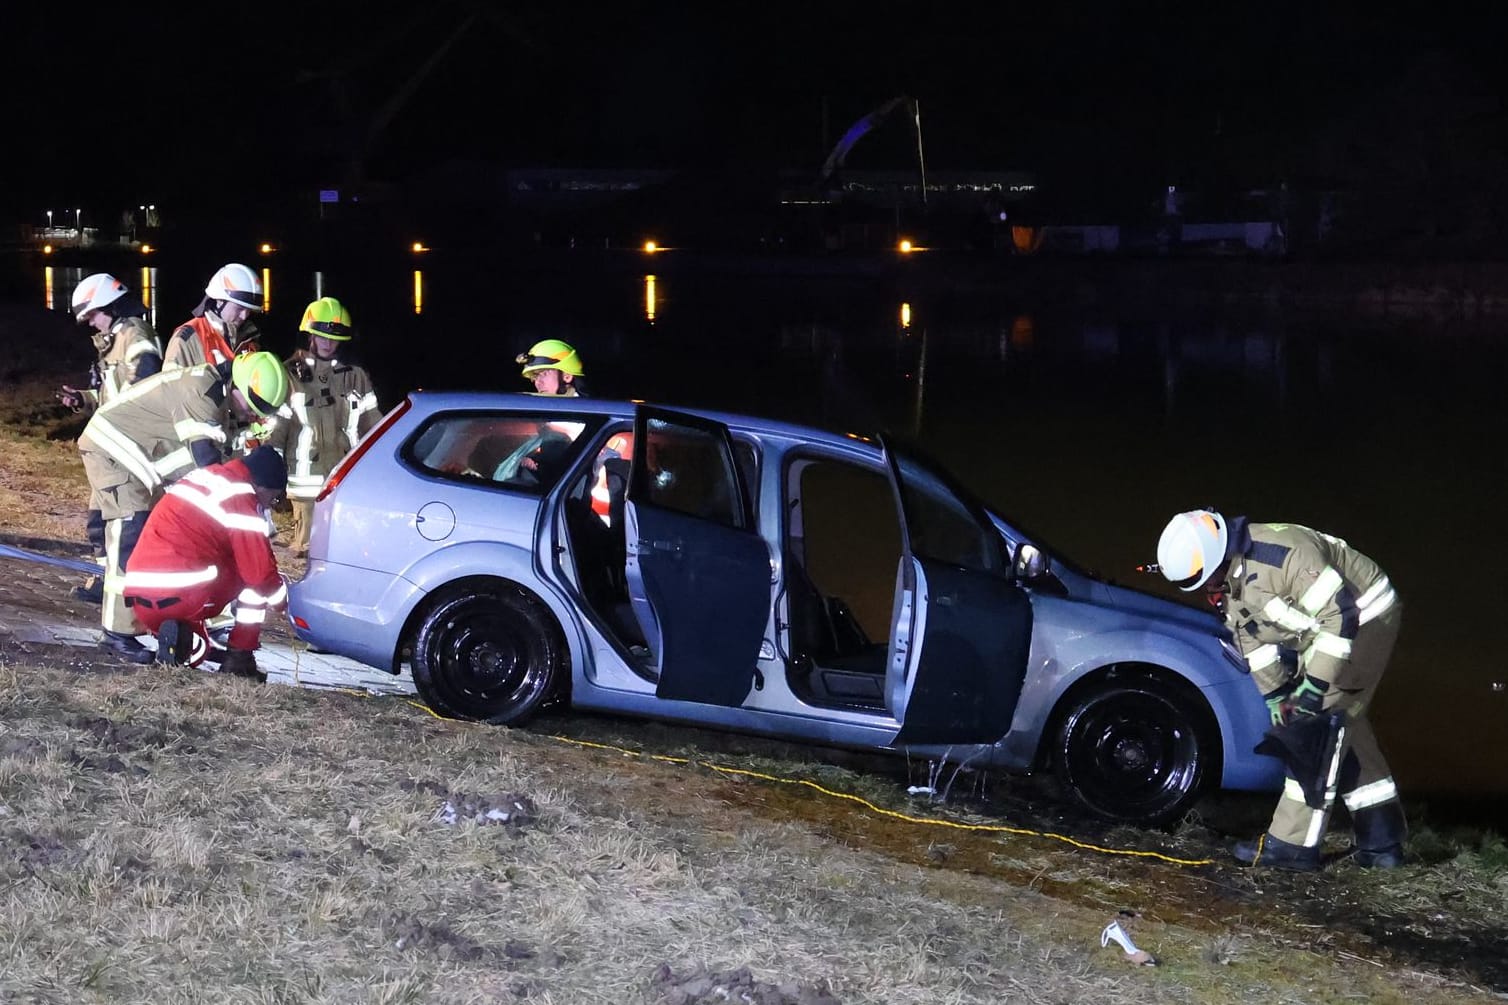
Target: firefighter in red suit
(205, 545)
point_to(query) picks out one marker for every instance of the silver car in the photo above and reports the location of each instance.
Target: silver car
(511, 550)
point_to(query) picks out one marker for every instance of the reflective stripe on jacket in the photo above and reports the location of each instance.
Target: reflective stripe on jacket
(148, 427)
(323, 419)
(129, 342)
(208, 527)
(1296, 588)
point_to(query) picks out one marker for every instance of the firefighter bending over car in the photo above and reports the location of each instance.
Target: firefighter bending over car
(331, 405)
(205, 545)
(147, 437)
(129, 351)
(1285, 587)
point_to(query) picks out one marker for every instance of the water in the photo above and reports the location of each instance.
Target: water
(1091, 426)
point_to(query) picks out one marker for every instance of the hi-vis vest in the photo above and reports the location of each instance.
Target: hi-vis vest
(1296, 588)
(202, 340)
(129, 341)
(619, 445)
(208, 538)
(322, 420)
(148, 427)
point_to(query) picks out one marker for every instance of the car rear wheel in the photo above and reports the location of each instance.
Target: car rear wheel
(1136, 747)
(491, 652)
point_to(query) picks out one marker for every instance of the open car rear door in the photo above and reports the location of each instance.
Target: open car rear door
(962, 626)
(698, 571)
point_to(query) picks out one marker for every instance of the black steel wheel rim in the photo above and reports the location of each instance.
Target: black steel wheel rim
(487, 660)
(1131, 754)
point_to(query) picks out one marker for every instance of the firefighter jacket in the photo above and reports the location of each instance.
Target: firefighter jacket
(129, 351)
(1295, 588)
(204, 340)
(154, 428)
(204, 545)
(330, 406)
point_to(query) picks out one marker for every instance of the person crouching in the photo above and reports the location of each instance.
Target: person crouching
(205, 545)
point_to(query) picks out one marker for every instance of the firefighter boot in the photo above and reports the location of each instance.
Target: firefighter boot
(127, 646)
(175, 642)
(243, 664)
(1276, 853)
(1380, 831)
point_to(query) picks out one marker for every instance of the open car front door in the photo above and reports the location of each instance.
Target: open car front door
(962, 626)
(698, 571)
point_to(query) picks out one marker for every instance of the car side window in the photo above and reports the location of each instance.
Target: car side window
(942, 526)
(690, 472)
(527, 452)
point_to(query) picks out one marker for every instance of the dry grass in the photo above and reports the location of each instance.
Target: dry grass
(170, 836)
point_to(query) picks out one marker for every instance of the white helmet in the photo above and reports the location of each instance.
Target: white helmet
(96, 291)
(1192, 547)
(238, 284)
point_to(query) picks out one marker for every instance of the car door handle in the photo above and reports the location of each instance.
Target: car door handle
(674, 547)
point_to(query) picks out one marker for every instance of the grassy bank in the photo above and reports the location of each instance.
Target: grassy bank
(172, 836)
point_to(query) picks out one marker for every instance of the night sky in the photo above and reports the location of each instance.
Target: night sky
(141, 106)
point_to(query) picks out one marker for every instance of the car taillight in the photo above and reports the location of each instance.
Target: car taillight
(366, 443)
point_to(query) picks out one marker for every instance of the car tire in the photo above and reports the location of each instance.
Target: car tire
(1136, 747)
(490, 652)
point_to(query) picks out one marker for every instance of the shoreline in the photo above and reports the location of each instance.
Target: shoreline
(1437, 291)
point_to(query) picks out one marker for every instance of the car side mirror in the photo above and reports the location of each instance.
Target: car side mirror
(1031, 562)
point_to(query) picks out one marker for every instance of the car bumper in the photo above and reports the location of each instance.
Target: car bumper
(352, 612)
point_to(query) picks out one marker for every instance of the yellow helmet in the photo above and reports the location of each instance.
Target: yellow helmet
(551, 354)
(327, 318)
(261, 378)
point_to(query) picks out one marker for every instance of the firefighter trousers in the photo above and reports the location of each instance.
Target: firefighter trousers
(1360, 777)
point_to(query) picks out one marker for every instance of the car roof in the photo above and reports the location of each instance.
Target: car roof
(427, 401)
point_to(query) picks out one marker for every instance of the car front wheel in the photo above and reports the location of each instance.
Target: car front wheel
(490, 652)
(1137, 748)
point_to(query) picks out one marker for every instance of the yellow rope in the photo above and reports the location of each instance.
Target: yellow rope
(894, 814)
(873, 808)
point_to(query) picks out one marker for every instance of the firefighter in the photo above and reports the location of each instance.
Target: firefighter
(204, 546)
(554, 367)
(331, 405)
(620, 449)
(1285, 587)
(221, 327)
(151, 434)
(129, 350)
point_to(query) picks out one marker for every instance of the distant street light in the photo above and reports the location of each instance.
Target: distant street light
(49, 219)
(77, 220)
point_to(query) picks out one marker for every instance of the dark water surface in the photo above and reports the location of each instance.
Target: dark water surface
(1091, 425)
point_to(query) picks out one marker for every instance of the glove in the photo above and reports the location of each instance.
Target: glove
(1309, 697)
(71, 398)
(243, 664)
(1277, 707)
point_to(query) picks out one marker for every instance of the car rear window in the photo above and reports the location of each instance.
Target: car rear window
(524, 451)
